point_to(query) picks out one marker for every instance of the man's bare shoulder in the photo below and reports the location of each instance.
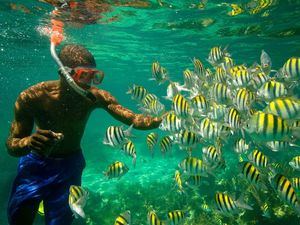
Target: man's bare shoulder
(37, 91)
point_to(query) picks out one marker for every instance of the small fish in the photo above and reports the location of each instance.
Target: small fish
(228, 206)
(291, 69)
(295, 163)
(177, 217)
(228, 63)
(296, 182)
(267, 127)
(207, 130)
(221, 75)
(258, 158)
(189, 79)
(252, 174)
(148, 99)
(286, 108)
(124, 218)
(193, 166)
(173, 89)
(77, 200)
(178, 181)
(236, 9)
(278, 146)
(217, 112)
(195, 181)
(233, 118)
(258, 80)
(116, 136)
(240, 146)
(216, 55)
(265, 62)
(153, 219)
(220, 93)
(186, 138)
(266, 210)
(155, 108)
(285, 190)
(171, 123)
(271, 90)
(165, 144)
(129, 149)
(243, 99)
(199, 104)
(240, 78)
(137, 92)
(116, 170)
(181, 106)
(151, 141)
(199, 68)
(159, 73)
(211, 154)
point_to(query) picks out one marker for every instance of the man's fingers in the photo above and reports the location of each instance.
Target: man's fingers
(47, 133)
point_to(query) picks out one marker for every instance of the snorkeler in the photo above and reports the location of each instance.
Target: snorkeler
(51, 158)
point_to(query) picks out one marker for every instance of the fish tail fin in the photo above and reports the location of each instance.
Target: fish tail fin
(128, 131)
(241, 204)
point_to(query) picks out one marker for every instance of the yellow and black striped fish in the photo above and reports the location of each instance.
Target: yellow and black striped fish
(211, 153)
(291, 69)
(148, 99)
(220, 93)
(165, 144)
(200, 104)
(77, 200)
(171, 123)
(151, 140)
(137, 92)
(208, 130)
(116, 170)
(295, 163)
(221, 75)
(181, 106)
(236, 9)
(252, 174)
(193, 166)
(258, 80)
(258, 158)
(285, 190)
(216, 55)
(186, 138)
(124, 218)
(177, 217)
(199, 68)
(271, 90)
(243, 99)
(240, 78)
(296, 182)
(159, 73)
(233, 118)
(240, 146)
(286, 108)
(188, 77)
(116, 135)
(129, 149)
(153, 219)
(267, 127)
(228, 206)
(178, 181)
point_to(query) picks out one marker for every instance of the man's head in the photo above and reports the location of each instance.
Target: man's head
(82, 63)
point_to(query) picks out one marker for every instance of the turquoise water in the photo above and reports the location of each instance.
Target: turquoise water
(125, 49)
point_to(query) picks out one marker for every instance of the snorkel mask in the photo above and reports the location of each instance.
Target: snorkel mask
(87, 76)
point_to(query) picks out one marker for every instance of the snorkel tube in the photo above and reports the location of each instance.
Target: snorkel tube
(56, 38)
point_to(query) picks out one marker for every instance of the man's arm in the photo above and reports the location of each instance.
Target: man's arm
(139, 121)
(21, 127)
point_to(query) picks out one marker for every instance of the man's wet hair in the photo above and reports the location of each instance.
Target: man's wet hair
(75, 56)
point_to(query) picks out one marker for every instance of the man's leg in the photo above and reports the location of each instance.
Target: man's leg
(24, 214)
(57, 210)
